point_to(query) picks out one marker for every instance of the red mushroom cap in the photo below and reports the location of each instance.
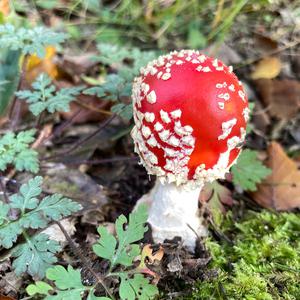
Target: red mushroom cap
(190, 115)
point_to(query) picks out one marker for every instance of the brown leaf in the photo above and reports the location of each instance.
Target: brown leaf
(147, 253)
(267, 68)
(265, 43)
(217, 197)
(222, 193)
(4, 7)
(78, 65)
(148, 258)
(282, 97)
(2, 297)
(280, 190)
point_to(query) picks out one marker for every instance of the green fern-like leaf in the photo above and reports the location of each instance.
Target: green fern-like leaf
(35, 256)
(137, 287)
(37, 253)
(249, 171)
(29, 41)
(119, 85)
(44, 96)
(120, 251)
(14, 149)
(126, 250)
(67, 281)
(68, 285)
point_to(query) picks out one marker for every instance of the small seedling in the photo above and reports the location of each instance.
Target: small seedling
(121, 251)
(29, 41)
(15, 150)
(119, 85)
(25, 212)
(45, 96)
(249, 171)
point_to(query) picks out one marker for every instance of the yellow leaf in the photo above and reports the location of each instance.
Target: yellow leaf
(4, 7)
(36, 66)
(267, 68)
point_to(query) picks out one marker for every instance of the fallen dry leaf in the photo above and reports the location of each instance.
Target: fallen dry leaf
(55, 233)
(36, 66)
(2, 297)
(147, 253)
(148, 258)
(79, 64)
(216, 196)
(280, 190)
(4, 7)
(215, 189)
(267, 68)
(282, 97)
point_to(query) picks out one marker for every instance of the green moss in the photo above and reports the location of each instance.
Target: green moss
(263, 262)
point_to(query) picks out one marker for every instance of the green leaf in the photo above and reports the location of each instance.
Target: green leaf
(248, 171)
(110, 89)
(9, 77)
(28, 193)
(126, 251)
(123, 110)
(39, 287)
(106, 245)
(14, 149)
(196, 38)
(57, 206)
(29, 41)
(67, 283)
(65, 278)
(35, 256)
(119, 85)
(134, 232)
(4, 209)
(32, 214)
(137, 287)
(9, 232)
(91, 296)
(45, 96)
(50, 208)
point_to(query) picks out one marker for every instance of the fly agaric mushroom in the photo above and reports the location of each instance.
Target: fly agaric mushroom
(190, 114)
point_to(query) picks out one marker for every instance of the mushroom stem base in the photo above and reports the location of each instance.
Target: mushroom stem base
(173, 211)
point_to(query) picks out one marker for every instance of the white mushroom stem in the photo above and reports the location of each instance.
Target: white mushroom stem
(174, 212)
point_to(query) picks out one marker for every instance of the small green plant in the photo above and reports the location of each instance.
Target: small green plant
(119, 85)
(17, 43)
(25, 212)
(261, 263)
(29, 41)
(45, 96)
(249, 171)
(121, 252)
(15, 150)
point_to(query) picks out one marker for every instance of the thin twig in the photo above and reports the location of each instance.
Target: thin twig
(15, 109)
(84, 260)
(59, 129)
(92, 108)
(101, 161)
(82, 141)
(3, 189)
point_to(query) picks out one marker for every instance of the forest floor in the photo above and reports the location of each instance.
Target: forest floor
(86, 154)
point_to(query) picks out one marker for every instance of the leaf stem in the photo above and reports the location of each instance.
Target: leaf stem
(3, 189)
(84, 260)
(15, 109)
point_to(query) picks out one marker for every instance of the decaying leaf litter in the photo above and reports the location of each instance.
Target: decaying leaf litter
(101, 172)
